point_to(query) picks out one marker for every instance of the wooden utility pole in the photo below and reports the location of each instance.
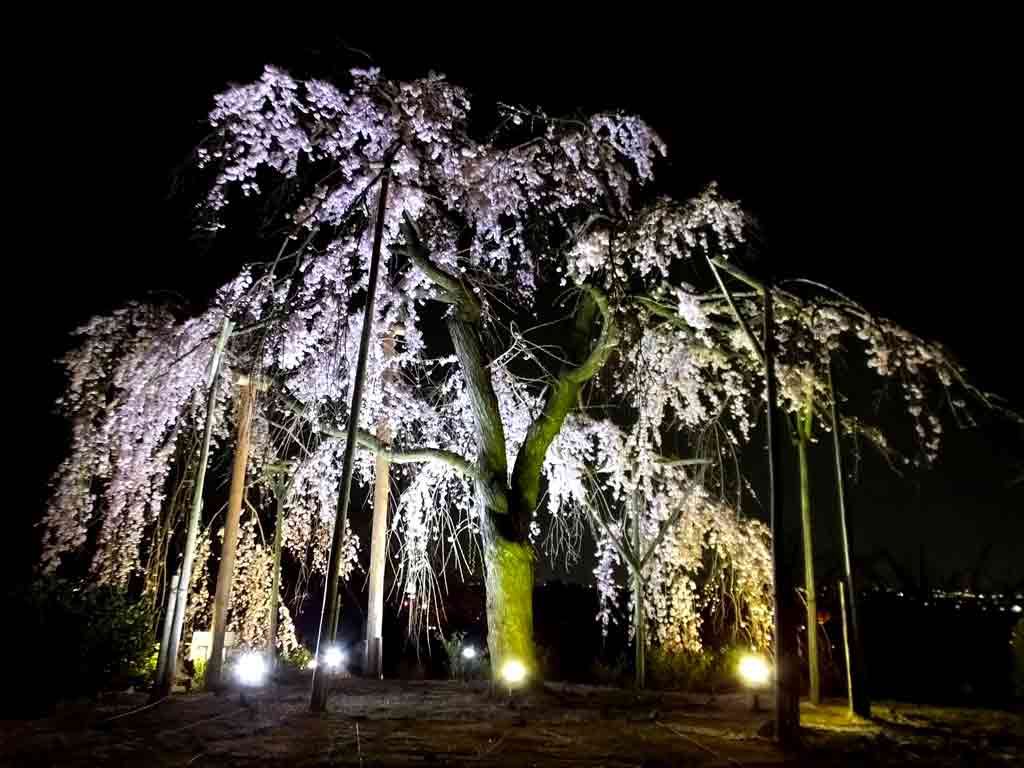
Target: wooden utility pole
(165, 682)
(786, 680)
(328, 618)
(860, 700)
(804, 424)
(374, 659)
(226, 569)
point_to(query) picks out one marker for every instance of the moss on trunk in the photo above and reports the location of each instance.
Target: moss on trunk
(509, 585)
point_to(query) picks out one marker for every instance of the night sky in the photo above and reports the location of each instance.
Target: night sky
(883, 159)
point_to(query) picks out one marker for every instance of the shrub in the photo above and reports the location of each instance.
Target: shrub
(82, 641)
(707, 671)
(299, 657)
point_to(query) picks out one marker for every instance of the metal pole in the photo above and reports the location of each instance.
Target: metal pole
(180, 603)
(328, 619)
(859, 697)
(787, 692)
(165, 633)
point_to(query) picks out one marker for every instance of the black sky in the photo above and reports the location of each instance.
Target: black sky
(882, 156)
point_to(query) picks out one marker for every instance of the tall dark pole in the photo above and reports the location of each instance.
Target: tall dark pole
(166, 682)
(787, 692)
(329, 617)
(860, 701)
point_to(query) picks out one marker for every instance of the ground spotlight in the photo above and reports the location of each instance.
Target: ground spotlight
(251, 668)
(334, 657)
(513, 672)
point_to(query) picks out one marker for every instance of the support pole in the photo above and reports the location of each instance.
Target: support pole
(280, 495)
(373, 664)
(804, 426)
(165, 633)
(328, 619)
(166, 681)
(860, 700)
(640, 630)
(787, 692)
(226, 569)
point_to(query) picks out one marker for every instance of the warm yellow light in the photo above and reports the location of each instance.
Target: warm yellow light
(754, 670)
(513, 672)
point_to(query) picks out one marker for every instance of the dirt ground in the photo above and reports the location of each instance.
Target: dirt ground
(402, 723)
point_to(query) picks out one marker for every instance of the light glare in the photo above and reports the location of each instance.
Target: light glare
(251, 669)
(469, 653)
(513, 672)
(754, 670)
(334, 657)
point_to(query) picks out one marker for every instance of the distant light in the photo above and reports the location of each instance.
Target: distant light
(513, 672)
(754, 670)
(334, 657)
(469, 653)
(1015, 608)
(251, 669)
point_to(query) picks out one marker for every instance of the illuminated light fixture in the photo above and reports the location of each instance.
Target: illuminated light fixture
(334, 657)
(754, 670)
(1015, 608)
(251, 669)
(469, 653)
(513, 672)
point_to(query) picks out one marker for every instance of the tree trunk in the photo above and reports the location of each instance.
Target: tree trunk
(275, 588)
(813, 661)
(166, 682)
(508, 581)
(226, 569)
(508, 556)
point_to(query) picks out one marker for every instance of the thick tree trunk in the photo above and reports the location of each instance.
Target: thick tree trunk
(226, 569)
(508, 580)
(813, 661)
(508, 556)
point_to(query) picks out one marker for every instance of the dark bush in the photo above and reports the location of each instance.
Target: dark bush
(74, 641)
